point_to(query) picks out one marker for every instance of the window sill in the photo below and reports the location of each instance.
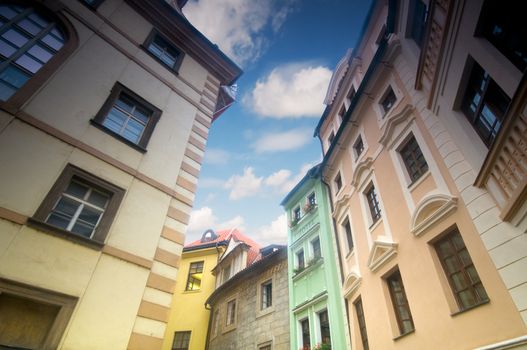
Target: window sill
(299, 274)
(117, 136)
(416, 183)
(374, 225)
(350, 253)
(70, 236)
(484, 302)
(404, 335)
(265, 312)
(191, 291)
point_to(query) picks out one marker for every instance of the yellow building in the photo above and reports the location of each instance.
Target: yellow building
(105, 109)
(189, 319)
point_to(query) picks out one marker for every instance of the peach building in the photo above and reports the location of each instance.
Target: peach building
(105, 108)
(424, 140)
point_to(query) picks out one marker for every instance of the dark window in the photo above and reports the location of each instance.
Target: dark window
(300, 260)
(316, 248)
(296, 214)
(388, 100)
(195, 274)
(338, 182)
(413, 159)
(400, 303)
(231, 312)
(306, 337)
(266, 294)
(362, 324)
(373, 203)
(462, 275)
(128, 117)
(484, 104)
(226, 273)
(417, 21)
(349, 238)
(92, 3)
(265, 347)
(342, 112)
(165, 52)
(503, 24)
(181, 341)
(28, 41)
(351, 94)
(358, 146)
(331, 138)
(81, 204)
(324, 327)
(312, 199)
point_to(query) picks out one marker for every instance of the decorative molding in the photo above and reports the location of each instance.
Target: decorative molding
(361, 167)
(351, 284)
(314, 300)
(506, 344)
(341, 204)
(380, 253)
(393, 121)
(431, 209)
(126, 256)
(336, 78)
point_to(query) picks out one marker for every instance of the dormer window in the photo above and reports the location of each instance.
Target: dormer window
(208, 236)
(226, 273)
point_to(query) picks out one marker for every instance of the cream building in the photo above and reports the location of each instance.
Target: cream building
(105, 107)
(424, 152)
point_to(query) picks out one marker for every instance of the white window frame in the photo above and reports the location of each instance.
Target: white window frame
(381, 116)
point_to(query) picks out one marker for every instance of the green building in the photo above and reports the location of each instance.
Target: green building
(317, 308)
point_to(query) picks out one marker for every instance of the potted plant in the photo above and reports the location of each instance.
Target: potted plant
(322, 346)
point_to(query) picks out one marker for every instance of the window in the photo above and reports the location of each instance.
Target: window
(484, 104)
(351, 94)
(312, 199)
(400, 303)
(29, 40)
(265, 347)
(460, 271)
(331, 138)
(79, 205)
(373, 203)
(417, 21)
(231, 313)
(128, 117)
(504, 26)
(315, 244)
(306, 337)
(300, 262)
(163, 51)
(195, 274)
(349, 238)
(388, 101)
(324, 327)
(338, 182)
(341, 113)
(362, 324)
(181, 340)
(358, 146)
(215, 323)
(226, 273)
(413, 159)
(296, 214)
(266, 295)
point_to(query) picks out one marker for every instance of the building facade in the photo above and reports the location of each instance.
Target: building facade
(316, 307)
(189, 319)
(105, 108)
(250, 310)
(424, 152)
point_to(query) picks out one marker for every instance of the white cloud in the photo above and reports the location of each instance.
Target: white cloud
(238, 26)
(283, 181)
(283, 141)
(290, 91)
(216, 156)
(210, 182)
(204, 219)
(245, 185)
(275, 232)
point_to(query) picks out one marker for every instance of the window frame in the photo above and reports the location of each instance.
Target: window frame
(312, 243)
(319, 313)
(337, 181)
(448, 237)
(101, 231)
(349, 235)
(102, 114)
(361, 322)
(184, 340)
(388, 91)
(311, 199)
(303, 335)
(356, 151)
(299, 253)
(178, 60)
(263, 285)
(374, 203)
(396, 276)
(189, 276)
(71, 42)
(230, 326)
(400, 149)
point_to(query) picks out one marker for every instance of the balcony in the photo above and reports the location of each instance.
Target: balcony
(504, 171)
(433, 46)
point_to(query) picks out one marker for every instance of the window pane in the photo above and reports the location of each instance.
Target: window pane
(76, 189)
(29, 26)
(83, 229)
(59, 220)
(40, 53)
(52, 42)
(14, 76)
(66, 206)
(115, 120)
(90, 215)
(125, 104)
(6, 49)
(99, 199)
(29, 63)
(141, 114)
(7, 12)
(38, 20)
(6, 91)
(15, 37)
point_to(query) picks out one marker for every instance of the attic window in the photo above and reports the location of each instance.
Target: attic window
(208, 236)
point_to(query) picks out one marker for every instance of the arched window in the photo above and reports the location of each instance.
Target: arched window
(30, 39)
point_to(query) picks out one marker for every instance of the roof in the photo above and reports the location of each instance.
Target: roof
(314, 172)
(222, 237)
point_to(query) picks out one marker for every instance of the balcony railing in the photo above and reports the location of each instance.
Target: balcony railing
(504, 172)
(433, 46)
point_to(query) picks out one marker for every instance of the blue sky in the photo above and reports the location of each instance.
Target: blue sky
(263, 145)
